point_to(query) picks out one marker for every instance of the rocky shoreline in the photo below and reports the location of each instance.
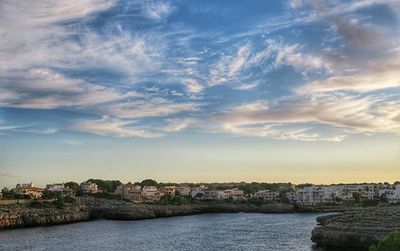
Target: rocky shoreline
(356, 230)
(89, 208)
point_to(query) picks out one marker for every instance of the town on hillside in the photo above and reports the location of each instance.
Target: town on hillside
(151, 191)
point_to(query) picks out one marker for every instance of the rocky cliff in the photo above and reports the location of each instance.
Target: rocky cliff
(356, 229)
(16, 217)
(94, 208)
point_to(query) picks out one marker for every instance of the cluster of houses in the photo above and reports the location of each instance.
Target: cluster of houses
(33, 191)
(327, 194)
(308, 195)
(135, 192)
(305, 195)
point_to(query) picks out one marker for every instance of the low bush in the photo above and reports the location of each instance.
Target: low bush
(389, 243)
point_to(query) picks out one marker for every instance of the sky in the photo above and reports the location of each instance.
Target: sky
(200, 91)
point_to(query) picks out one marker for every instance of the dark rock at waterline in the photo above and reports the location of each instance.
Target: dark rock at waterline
(88, 208)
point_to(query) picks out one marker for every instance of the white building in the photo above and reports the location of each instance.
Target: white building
(234, 193)
(330, 193)
(310, 195)
(197, 191)
(393, 195)
(56, 187)
(184, 191)
(24, 185)
(214, 195)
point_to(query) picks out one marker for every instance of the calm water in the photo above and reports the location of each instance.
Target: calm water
(197, 232)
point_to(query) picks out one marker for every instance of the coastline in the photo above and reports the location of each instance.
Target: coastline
(349, 227)
(89, 208)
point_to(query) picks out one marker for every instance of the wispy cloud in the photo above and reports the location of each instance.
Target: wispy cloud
(346, 112)
(72, 142)
(156, 107)
(239, 67)
(178, 124)
(7, 175)
(158, 10)
(114, 127)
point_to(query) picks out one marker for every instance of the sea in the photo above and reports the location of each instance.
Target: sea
(217, 231)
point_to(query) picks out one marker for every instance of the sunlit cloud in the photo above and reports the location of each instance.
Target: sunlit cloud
(345, 112)
(114, 127)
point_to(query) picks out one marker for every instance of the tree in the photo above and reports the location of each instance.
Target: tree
(73, 185)
(51, 195)
(106, 186)
(148, 182)
(12, 194)
(4, 192)
(370, 202)
(357, 197)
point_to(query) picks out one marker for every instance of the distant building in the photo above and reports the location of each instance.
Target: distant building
(30, 190)
(183, 190)
(369, 195)
(89, 187)
(234, 193)
(60, 188)
(151, 193)
(330, 193)
(130, 191)
(24, 185)
(214, 195)
(291, 196)
(197, 192)
(56, 187)
(267, 195)
(310, 195)
(393, 195)
(396, 197)
(169, 190)
(343, 195)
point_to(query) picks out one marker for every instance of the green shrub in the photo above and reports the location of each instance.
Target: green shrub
(390, 243)
(370, 203)
(69, 199)
(109, 196)
(35, 203)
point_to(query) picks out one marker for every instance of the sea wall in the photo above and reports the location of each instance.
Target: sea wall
(356, 229)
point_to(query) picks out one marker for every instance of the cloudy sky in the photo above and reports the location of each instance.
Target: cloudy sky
(189, 90)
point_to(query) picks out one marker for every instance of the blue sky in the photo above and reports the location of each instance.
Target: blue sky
(155, 88)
